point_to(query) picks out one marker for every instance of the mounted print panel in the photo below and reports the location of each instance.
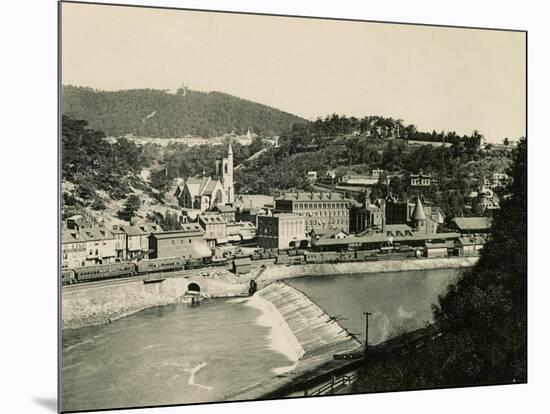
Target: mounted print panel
(261, 207)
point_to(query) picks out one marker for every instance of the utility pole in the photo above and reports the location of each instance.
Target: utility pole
(367, 314)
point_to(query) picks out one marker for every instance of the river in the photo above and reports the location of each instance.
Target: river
(176, 354)
(398, 301)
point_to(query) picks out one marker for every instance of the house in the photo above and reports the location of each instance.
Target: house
(240, 231)
(215, 228)
(187, 243)
(421, 180)
(469, 245)
(254, 201)
(311, 176)
(281, 231)
(227, 212)
(73, 249)
(319, 209)
(137, 240)
(120, 243)
(472, 225)
(100, 245)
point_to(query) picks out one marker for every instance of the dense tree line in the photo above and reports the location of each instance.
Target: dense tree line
(156, 113)
(482, 318)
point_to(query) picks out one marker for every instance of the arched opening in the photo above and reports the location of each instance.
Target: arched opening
(218, 198)
(193, 288)
(225, 168)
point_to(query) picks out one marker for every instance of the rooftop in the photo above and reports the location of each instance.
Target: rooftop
(473, 223)
(312, 196)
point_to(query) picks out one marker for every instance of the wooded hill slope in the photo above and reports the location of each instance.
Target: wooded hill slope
(157, 113)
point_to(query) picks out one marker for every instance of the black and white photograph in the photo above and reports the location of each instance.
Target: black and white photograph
(264, 207)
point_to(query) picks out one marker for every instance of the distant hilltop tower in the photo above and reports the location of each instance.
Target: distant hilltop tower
(224, 171)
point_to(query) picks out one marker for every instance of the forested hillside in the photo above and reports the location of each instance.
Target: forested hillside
(156, 113)
(482, 318)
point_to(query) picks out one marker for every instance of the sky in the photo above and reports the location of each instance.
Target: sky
(436, 78)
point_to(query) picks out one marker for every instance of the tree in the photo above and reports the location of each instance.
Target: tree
(484, 315)
(131, 206)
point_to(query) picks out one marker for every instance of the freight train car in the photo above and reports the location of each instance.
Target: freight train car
(194, 264)
(313, 257)
(91, 273)
(67, 277)
(167, 264)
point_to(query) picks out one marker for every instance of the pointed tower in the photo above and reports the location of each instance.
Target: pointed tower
(224, 167)
(418, 216)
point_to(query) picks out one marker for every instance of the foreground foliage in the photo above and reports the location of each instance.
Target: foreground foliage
(482, 318)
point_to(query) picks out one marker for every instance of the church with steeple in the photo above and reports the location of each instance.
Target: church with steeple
(204, 192)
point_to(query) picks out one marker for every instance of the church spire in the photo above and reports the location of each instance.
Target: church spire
(230, 150)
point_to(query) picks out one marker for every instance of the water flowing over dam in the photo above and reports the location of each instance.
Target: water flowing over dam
(318, 335)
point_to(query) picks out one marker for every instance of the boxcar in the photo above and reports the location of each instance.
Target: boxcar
(312, 257)
(90, 273)
(194, 264)
(299, 259)
(329, 257)
(282, 259)
(67, 277)
(160, 265)
(347, 256)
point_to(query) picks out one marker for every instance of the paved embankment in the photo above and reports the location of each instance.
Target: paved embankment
(318, 335)
(99, 303)
(275, 273)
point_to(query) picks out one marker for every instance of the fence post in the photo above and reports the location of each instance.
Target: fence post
(332, 385)
(305, 392)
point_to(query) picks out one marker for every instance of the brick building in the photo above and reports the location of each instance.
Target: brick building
(188, 243)
(281, 231)
(320, 210)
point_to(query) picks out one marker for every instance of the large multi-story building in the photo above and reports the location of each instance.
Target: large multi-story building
(281, 231)
(323, 210)
(187, 243)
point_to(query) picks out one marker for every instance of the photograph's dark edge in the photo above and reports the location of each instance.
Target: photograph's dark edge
(59, 188)
(59, 218)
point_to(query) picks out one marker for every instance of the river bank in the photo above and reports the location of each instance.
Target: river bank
(96, 304)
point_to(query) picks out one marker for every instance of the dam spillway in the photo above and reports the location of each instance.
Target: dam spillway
(318, 334)
(314, 330)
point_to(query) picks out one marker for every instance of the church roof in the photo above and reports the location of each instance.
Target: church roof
(198, 186)
(209, 187)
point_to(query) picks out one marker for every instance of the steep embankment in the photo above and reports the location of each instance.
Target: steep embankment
(318, 335)
(275, 273)
(99, 303)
